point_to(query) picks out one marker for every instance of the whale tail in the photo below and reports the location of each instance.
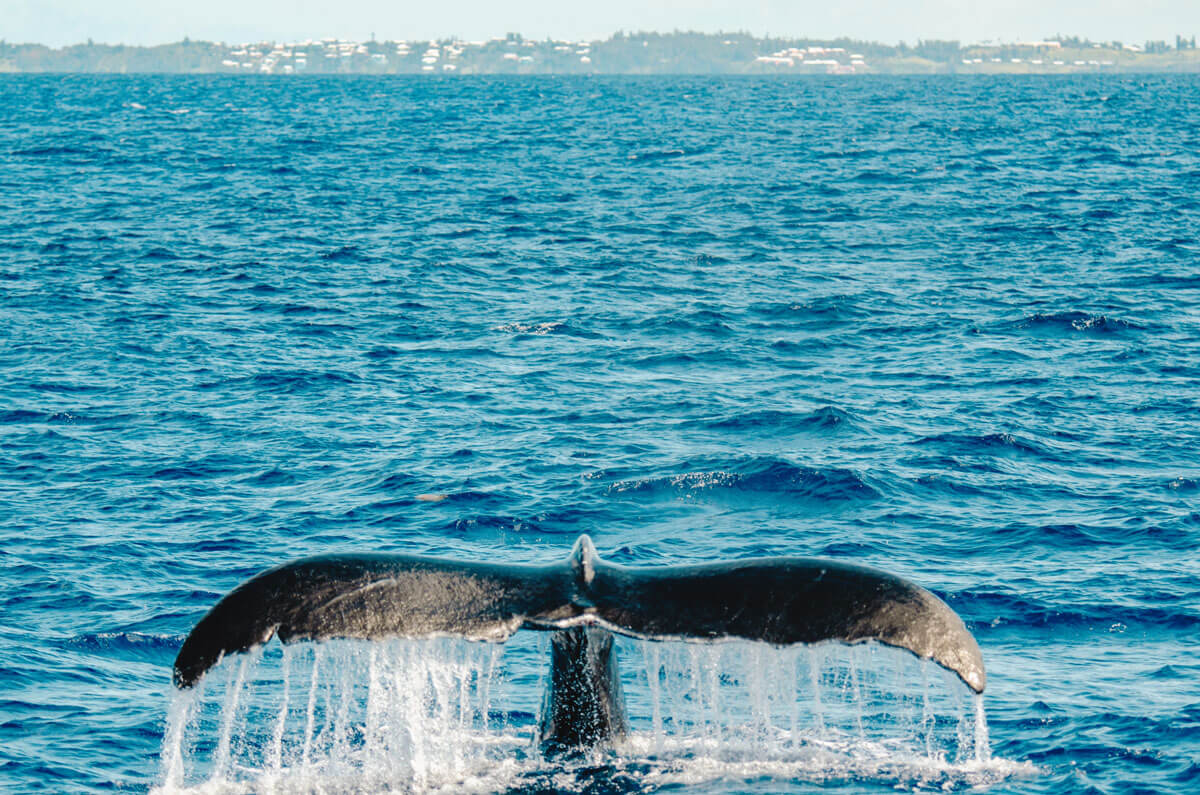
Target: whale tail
(777, 600)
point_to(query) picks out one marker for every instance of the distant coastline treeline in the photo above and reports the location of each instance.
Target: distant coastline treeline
(621, 53)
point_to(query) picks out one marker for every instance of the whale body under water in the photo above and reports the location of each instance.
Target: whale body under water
(582, 600)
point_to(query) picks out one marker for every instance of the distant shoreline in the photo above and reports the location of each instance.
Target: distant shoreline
(621, 54)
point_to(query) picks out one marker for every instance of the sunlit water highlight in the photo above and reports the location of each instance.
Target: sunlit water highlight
(447, 716)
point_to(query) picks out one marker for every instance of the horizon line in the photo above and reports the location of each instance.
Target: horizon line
(615, 34)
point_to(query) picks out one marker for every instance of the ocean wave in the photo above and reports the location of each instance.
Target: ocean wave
(837, 309)
(52, 151)
(752, 476)
(874, 176)
(986, 444)
(269, 478)
(822, 420)
(939, 483)
(33, 417)
(127, 645)
(349, 253)
(491, 524)
(202, 468)
(1174, 672)
(1075, 323)
(286, 381)
(1079, 536)
(994, 611)
(705, 321)
(68, 388)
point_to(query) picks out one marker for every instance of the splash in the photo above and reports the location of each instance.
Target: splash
(447, 715)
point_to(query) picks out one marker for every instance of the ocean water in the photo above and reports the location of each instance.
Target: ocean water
(948, 327)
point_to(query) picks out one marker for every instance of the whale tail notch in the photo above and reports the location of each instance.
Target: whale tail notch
(777, 600)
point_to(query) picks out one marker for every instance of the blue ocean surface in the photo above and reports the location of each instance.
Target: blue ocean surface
(946, 327)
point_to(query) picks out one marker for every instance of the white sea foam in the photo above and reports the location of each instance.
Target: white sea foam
(453, 716)
(537, 329)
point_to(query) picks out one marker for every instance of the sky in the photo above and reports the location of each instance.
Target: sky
(60, 22)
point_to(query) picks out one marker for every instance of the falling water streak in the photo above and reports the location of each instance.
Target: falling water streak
(983, 749)
(653, 672)
(415, 694)
(697, 674)
(443, 712)
(171, 758)
(396, 743)
(436, 714)
(964, 736)
(464, 694)
(794, 700)
(760, 712)
(276, 760)
(329, 723)
(312, 705)
(416, 726)
(926, 712)
(814, 672)
(460, 705)
(372, 717)
(228, 716)
(341, 740)
(486, 698)
(398, 728)
(712, 717)
(855, 686)
(904, 717)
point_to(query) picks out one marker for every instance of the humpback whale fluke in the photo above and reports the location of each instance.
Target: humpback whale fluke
(777, 600)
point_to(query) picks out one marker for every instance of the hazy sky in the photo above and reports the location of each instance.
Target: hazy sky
(60, 22)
